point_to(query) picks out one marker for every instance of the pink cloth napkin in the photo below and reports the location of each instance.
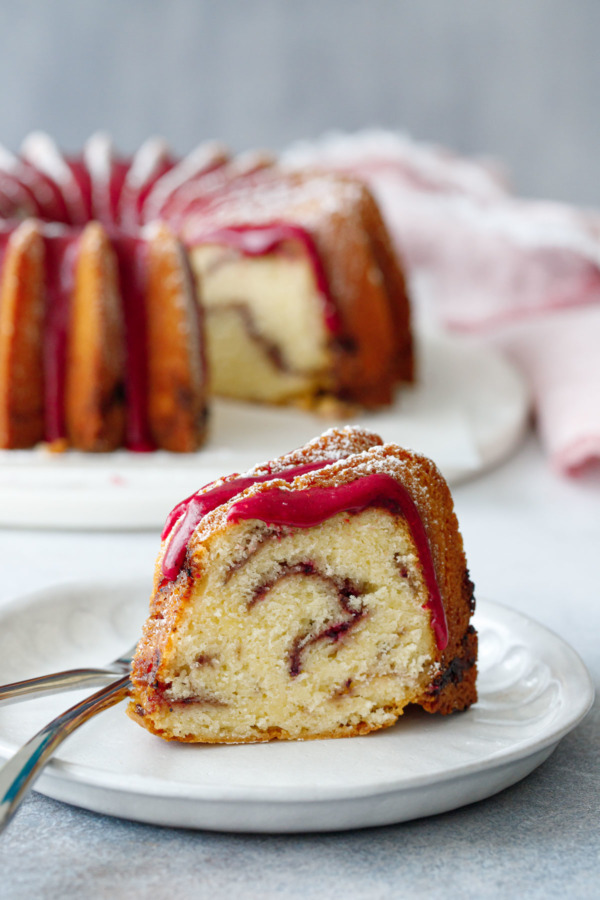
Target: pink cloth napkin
(522, 274)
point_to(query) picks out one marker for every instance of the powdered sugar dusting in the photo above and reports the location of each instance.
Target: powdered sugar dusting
(42, 152)
(151, 155)
(190, 167)
(353, 463)
(8, 161)
(97, 154)
(356, 453)
(271, 195)
(98, 157)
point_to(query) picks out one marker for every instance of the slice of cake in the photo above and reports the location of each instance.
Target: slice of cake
(316, 596)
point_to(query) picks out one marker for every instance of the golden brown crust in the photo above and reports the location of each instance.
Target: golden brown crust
(454, 686)
(21, 339)
(136, 712)
(177, 388)
(364, 353)
(94, 392)
(396, 288)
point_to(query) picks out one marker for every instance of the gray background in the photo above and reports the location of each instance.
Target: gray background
(517, 78)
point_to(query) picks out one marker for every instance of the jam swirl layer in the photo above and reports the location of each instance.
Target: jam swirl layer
(260, 240)
(305, 509)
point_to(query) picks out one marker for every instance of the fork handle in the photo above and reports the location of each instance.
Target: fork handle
(20, 772)
(54, 684)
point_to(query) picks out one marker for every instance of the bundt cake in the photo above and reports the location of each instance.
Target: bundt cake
(304, 298)
(315, 596)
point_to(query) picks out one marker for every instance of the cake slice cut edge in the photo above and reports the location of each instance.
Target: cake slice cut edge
(318, 601)
(305, 300)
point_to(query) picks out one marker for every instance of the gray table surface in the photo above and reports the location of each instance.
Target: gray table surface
(532, 540)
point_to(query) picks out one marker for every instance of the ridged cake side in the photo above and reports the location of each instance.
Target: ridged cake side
(100, 340)
(21, 329)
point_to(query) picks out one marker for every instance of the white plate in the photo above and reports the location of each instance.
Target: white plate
(468, 412)
(533, 690)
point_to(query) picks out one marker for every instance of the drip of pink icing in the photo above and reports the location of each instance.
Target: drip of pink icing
(120, 168)
(304, 509)
(45, 193)
(61, 258)
(132, 256)
(258, 240)
(201, 185)
(83, 181)
(134, 196)
(192, 510)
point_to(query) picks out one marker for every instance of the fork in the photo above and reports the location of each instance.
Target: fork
(20, 772)
(65, 681)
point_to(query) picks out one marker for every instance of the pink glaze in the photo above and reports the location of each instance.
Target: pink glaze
(132, 256)
(29, 193)
(259, 240)
(133, 197)
(198, 199)
(201, 186)
(305, 509)
(192, 510)
(80, 211)
(120, 168)
(61, 254)
(45, 193)
(16, 200)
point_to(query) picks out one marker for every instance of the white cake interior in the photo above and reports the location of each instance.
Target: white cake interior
(266, 335)
(327, 622)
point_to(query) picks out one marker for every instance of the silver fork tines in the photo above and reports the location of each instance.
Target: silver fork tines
(68, 680)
